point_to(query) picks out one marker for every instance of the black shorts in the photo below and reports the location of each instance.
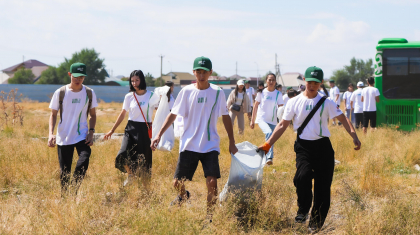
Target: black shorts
(369, 116)
(188, 162)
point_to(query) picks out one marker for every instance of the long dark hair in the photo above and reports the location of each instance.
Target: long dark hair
(237, 90)
(139, 74)
(350, 85)
(260, 90)
(169, 84)
(325, 90)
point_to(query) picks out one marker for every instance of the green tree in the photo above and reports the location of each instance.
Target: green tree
(50, 76)
(125, 78)
(95, 67)
(159, 82)
(22, 76)
(215, 74)
(358, 70)
(149, 79)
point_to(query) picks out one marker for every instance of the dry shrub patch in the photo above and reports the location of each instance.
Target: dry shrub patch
(375, 190)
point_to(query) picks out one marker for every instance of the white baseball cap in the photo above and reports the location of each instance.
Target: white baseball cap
(360, 84)
(240, 82)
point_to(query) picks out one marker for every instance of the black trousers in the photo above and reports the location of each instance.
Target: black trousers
(314, 160)
(65, 158)
(359, 119)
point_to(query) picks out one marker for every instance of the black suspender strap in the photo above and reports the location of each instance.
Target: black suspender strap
(309, 117)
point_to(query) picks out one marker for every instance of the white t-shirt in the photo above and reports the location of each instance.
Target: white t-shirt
(322, 92)
(239, 98)
(200, 111)
(369, 98)
(250, 92)
(268, 106)
(147, 103)
(74, 127)
(285, 98)
(333, 93)
(299, 107)
(356, 97)
(347, 96)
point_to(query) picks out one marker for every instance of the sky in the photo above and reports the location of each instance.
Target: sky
(132, 34)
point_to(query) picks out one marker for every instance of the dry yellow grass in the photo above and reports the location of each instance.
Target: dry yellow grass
(375, 190)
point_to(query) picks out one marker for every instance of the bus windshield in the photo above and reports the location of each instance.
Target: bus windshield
(401, 73)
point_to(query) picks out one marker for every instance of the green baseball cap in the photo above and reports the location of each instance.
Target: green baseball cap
(314, 74)
(78, 70)
(332, 80)
(203, 63)
(289, 87)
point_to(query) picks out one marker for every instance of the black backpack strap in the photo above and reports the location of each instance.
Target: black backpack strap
(60, 101)
(311, 114)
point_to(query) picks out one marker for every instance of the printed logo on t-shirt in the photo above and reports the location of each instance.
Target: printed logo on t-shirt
(202, 100)
(267, 97)
(75, 101)
(309, 107)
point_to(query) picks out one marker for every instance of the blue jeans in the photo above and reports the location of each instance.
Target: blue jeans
(267, 129)
(353, 118)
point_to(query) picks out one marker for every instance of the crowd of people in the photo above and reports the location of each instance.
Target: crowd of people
(307, 109)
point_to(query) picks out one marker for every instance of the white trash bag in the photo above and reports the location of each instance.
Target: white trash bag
(246, 170)
(280, 112)
(179, 126)
(168, 139)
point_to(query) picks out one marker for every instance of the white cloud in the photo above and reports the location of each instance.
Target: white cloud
(341, 32)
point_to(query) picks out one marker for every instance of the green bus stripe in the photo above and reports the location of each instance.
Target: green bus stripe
(208, 123)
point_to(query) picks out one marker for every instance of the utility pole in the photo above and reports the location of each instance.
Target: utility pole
(278, 74)
(161, 61)
(258, 73)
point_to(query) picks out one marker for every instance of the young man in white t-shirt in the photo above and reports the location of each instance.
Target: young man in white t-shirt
(334, 95)
(286, 95)
(250, 91)
(370, 96)
(356, 104)
(72, 130)
(314, 152)
(200, 105)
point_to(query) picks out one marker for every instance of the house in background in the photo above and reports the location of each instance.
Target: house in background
(179, 78)
(291, 79)
(36, 66)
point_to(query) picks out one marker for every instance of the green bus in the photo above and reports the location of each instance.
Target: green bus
(397, 76)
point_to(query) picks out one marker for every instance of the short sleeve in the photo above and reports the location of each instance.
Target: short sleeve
(154, 99)
(222, 104)
(280, 100)
(377, 92)
(258, 98)
(180, 104)
(126, 104)
(54, 104)
(288, 112)
(94, 100)
(253, 90)
(333, 110)
(353, 97)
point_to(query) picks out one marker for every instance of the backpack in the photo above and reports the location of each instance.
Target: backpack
(61, 98)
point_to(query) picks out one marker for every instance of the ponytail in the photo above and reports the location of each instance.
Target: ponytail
(168, 94)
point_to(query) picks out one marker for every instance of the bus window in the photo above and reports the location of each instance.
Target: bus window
(401, 75)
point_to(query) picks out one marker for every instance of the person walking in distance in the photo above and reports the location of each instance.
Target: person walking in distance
(286, 95)
(334, 95)
(238, 104)
(75, 102)
(200, 104)
(279, 87)
(346, 97)
(357, 104)
(265, 110)
(314, 153)
(323, 91)
(250, 91)
(260, 85)
(135, 155)
(370, 96)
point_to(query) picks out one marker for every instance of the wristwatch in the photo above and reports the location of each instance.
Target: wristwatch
(92, 129)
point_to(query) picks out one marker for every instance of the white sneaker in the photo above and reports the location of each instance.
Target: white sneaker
(269, 161)
(129, 180)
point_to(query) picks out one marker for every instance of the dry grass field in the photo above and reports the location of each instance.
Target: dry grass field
(375, 190)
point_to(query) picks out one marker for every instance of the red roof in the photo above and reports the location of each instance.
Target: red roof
(28, 64)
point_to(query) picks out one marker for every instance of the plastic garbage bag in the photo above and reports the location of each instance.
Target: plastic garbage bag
(246, 170)
(280, 112)
(179, 126)
(168, 138)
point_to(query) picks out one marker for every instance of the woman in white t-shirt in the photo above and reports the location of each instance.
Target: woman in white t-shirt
(135, 155)
(314, 152)
(346, 98)
(239, 98)
(267, 102)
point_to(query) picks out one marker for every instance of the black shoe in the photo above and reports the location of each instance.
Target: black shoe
(301, 218)
(179, 200)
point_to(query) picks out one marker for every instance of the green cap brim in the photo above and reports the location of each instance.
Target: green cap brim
(76, 75)
(197, 68)
(312, 80)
